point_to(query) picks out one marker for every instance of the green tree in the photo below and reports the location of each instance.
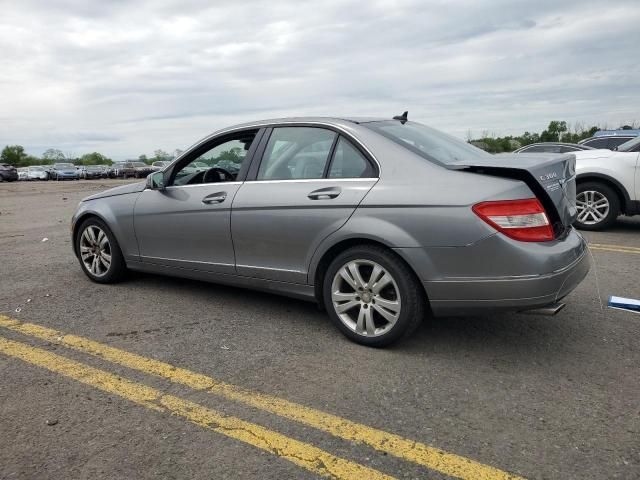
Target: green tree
(13, 155)
(143, 158)
(232, 155)
(53, 155)
(94, 158)
(160, 156)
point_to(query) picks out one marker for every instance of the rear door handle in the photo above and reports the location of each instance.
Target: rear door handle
(217, 197)
(325, 193)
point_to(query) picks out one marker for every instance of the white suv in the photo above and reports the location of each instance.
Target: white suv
(608, 184)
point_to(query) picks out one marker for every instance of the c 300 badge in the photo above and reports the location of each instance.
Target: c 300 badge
(548, 176)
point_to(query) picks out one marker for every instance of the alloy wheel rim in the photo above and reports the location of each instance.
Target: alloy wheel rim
(593, 207)
(366, 298)
(95, 251)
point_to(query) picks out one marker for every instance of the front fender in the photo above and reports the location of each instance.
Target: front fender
(117, 213)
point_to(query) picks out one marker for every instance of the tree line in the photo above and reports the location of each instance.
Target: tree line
(557, 131)
(17, 156)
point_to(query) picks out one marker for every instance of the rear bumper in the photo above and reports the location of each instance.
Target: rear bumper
(522, 290)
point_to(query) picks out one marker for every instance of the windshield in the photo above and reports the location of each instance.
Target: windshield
(628, 146)
(427, 142)
(138, 164)
(36, 169)
(63, 165)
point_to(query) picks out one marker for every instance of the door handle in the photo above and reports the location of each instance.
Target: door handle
(217, 197)
(325, 193)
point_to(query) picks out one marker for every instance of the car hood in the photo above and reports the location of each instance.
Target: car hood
(600, 153)
(121, 190)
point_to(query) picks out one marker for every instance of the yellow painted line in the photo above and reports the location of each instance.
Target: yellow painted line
(434, 458)
(614, 248)
(302, 454)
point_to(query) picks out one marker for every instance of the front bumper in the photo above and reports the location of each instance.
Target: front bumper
(563, 266)
(9, 176)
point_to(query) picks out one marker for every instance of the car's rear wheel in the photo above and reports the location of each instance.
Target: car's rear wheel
(598, 206)
(99, 253)
(372, 296)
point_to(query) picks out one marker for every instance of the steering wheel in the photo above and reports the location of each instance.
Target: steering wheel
(217, 174)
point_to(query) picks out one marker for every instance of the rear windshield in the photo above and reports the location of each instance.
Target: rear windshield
(431, 144)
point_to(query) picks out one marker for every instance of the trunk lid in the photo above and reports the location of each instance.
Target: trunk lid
(552, 178)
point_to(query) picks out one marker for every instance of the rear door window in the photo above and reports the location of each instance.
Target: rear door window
(296, 153)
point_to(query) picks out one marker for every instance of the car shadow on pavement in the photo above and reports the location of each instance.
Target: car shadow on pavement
(525, 337)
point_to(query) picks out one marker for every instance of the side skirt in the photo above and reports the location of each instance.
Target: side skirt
(294, 290)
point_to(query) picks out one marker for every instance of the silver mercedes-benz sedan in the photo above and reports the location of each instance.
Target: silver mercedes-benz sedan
(379, 221)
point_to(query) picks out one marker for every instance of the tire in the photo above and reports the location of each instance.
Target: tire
(404, 293)
(116, 269)
(590, 215)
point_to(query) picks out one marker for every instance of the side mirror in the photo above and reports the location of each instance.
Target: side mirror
(155, 181)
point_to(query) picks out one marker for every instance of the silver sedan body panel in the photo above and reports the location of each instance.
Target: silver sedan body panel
(278, 225)
(177, 227)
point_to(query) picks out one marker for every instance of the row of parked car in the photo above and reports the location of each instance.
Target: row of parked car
(69, 171)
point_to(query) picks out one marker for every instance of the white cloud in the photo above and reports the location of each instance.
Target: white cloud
(125, 78)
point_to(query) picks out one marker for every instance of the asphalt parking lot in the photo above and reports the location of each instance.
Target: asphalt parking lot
(268, 388)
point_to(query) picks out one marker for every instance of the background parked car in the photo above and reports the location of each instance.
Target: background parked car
(37, 173)
(610, 139)
(93, 171)
(552, 147)
(62, 171)
(23, 173)
(607, 185)
(8, 173)
(159, 165)
(135, 169)
(113, 171)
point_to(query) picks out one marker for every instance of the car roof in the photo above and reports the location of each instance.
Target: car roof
(564, 144)
(630, 132)
(336, 121)
(604, 137)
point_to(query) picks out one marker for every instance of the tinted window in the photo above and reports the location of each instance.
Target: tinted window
(615, 142)
(347, 161)
(542, 148)
(296, 153)
(632, 145)
(566, 149)
(219, 163)
(597, 143)
(431, 144)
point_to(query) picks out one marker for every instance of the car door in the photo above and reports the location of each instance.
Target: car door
(187, 224)
(306, 185)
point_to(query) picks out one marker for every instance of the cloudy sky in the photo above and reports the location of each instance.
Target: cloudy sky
(128, 77)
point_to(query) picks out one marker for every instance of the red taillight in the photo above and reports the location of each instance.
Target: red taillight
(523, 220)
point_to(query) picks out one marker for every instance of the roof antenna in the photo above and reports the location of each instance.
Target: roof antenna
(403, 118)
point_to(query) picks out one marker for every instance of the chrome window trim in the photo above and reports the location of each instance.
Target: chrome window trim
(276, 124)
(171, 187)
(309, 180)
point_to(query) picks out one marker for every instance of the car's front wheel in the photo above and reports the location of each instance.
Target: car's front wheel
(372, 296)
(99, 253)
(598, 206)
